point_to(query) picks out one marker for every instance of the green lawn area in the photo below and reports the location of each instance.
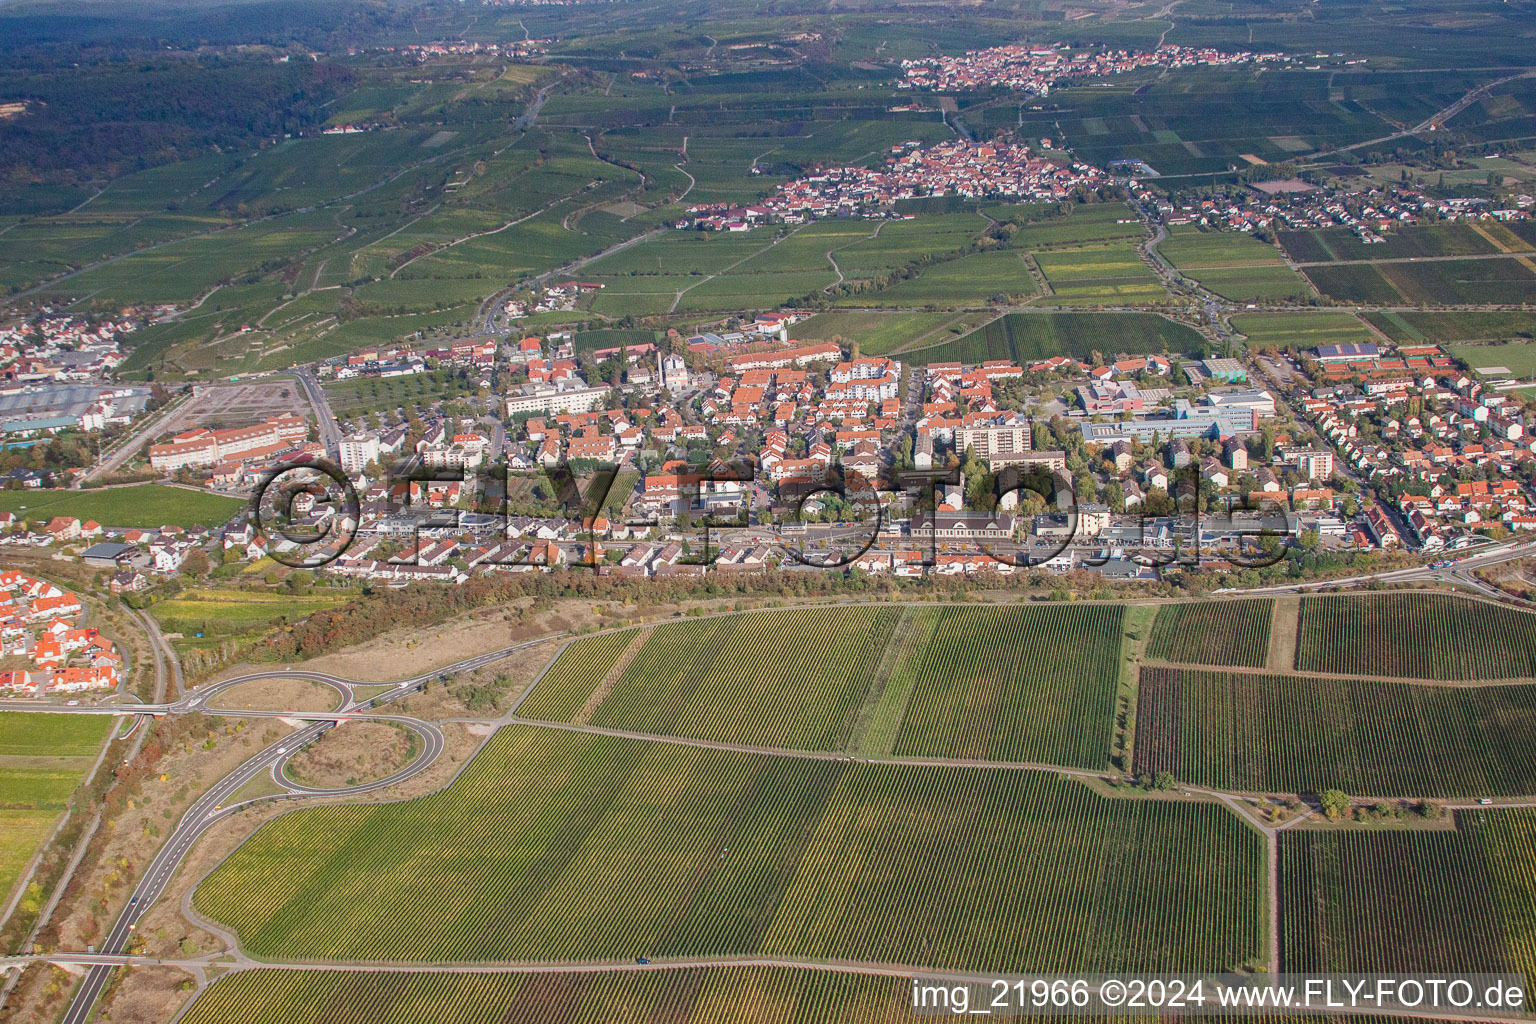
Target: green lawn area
(138, 505)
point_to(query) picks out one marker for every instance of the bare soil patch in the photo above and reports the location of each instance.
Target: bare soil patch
(484, 693)
(354, 753)
(41, 994)
(279, 695)
(149, 995)
(1283, 627)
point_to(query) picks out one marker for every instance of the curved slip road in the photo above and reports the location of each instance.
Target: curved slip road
(433, 743)
(211, 807)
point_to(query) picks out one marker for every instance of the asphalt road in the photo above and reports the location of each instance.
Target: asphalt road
(330, 433)
(1458, 574)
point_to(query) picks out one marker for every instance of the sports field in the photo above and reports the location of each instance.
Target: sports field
(1509, 359)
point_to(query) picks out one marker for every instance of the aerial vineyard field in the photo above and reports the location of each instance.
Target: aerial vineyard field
(1212, 633)
(779, 678)
(1010, 684)
(1014, 683)
(1301, 734)
(1415, 636)
(569, 681)
(718, 995)
(572, 846)
(1410, 900)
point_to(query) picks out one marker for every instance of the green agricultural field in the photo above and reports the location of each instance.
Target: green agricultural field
(1451, 282)
(43, 247)
(1415, 636)
(1006, 684)
(570, 681)
(780, 679)
(138, 505)
(1354, 282)
(1302, 330)
(1109, 276)
(182, 270)
(558, 845)
(1403, 901)
(753, 291)
(586, 341)
(1212, 633)
(1409, 327)
(1304, 734)
(684, 253)
(1329, 244)
(1277, 283)
(1192, 248)
(1038, 682)
(971, 280)
(1234, 265)
(221, 614)
(42, 759)
(1026, 337)
(1504, 280)
(877, 333)
(895, 243)
(716, 995)
(1104, 222)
